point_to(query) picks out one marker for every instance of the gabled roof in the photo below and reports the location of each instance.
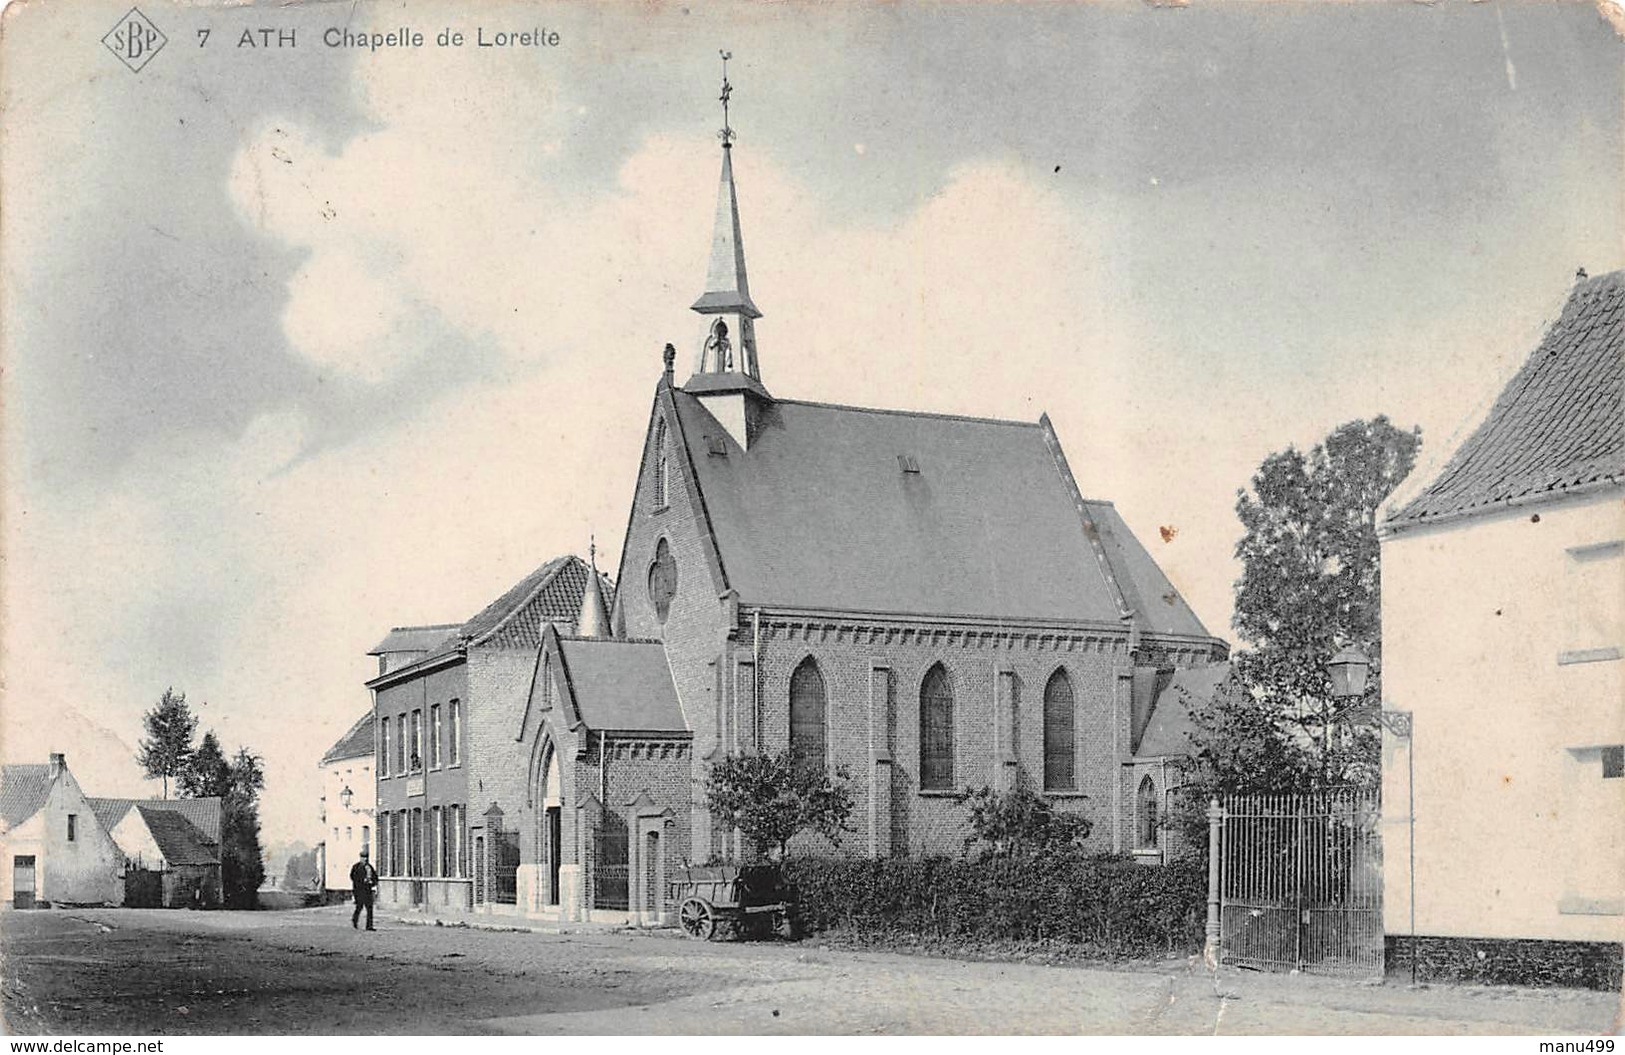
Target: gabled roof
(356, 743)
(179, 840)
(23, 790)
(202, 814)
(1169, 729)
(1557, 428)
(415, 638)
(550, 594)
(823, 511)
(621, 685)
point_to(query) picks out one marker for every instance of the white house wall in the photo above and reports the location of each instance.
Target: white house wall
(1502, 634)
(346, 829)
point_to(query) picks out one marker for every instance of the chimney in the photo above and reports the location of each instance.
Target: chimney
(59, 762)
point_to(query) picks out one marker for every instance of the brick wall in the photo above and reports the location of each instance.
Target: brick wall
(446, 785)
(697, 626)
(975, 658)
(499, 761)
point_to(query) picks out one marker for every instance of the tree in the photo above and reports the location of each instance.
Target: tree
(1022, 823)
(206, 773)
(302, 873)
(771, 799)
(236, 782)
(1310, 585)
(242, 865)
(168, 743)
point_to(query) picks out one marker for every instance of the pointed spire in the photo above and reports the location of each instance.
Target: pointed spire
(726, 287)
(594, 618)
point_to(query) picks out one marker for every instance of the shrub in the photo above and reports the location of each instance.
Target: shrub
(1105, 904)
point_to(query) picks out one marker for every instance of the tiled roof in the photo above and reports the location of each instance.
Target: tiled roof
(203, 814)
(820, 513)
(1168, 731)
(23, 790)
(550, 594)
(414, 638)
(356, 743)
(618, 684)
(1559, 426)
(179, 840)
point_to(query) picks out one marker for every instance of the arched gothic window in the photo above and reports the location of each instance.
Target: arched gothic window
(1147, 819)
(807, 716)
(662, 475)
(1060, 743)
(936, 730)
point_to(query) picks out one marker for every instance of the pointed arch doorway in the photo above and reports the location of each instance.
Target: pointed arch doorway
(552, 833)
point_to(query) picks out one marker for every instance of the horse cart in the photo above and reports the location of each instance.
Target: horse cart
(735, 900)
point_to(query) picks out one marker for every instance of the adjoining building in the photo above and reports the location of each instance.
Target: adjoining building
(349, 796)
(926, 601)
(170, 850)
(1503, 634)
(445, 702)
(55, 852)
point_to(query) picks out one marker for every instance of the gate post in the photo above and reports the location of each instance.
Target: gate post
(1210, 947)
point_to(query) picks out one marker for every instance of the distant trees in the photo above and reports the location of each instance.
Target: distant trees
(302, 873)
(163, 751)
(204, 771)
(772, 798)
(1310, 584)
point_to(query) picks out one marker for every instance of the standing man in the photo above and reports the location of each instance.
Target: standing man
(364, 880)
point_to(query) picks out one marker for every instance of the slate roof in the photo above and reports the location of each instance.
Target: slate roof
(1169, 729)
(1557, 427)
(23, 790)
(415, 638)
(621, 685)
(819, 513)
(357, 743)
(202, 814)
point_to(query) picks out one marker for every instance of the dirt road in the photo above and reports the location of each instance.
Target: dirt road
(146, 972)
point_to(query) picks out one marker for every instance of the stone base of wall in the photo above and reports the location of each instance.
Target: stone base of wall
(1508, 961)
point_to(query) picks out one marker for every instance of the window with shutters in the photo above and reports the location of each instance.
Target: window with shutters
(1060, 743)
(936, 731)
(807, 716)
(1147, 814)
(454, 735)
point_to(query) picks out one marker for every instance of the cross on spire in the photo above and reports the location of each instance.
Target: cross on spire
(727, 133)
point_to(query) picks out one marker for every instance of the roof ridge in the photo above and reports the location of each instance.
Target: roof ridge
(933, 414)
(546, 573)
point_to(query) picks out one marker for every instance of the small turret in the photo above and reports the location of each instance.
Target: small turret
(594, 618)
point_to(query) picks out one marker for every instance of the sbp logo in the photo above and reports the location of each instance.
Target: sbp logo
(135, 40)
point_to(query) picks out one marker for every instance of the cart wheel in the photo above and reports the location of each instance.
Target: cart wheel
(697, 919)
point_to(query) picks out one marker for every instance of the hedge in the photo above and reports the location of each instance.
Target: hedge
(1109, 905)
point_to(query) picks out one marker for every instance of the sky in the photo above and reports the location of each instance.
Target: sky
(303, 343)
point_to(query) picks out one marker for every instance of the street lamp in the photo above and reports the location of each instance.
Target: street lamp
(1349, 670)
(345, 796)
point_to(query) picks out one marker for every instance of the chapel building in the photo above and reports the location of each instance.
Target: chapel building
(926, 602)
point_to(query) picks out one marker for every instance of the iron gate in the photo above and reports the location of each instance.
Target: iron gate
(1301, 883)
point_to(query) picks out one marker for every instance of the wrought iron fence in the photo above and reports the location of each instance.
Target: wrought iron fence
(505, 867)
(610, 882)
(1301, 883)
